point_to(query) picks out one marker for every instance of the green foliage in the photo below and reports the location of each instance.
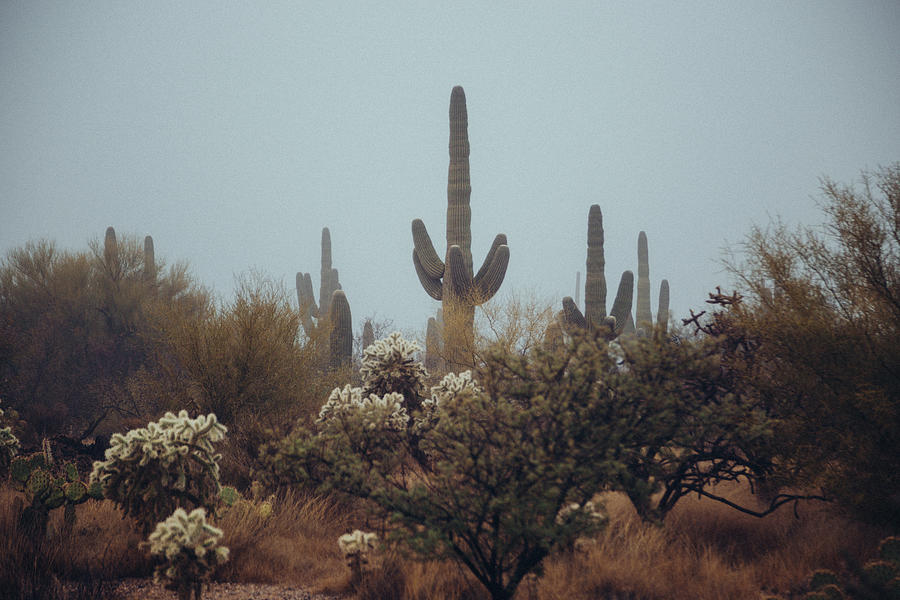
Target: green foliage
(76, 328)
(695, 424)
(501, 460)
(827, 359)
(878, 579)
(190, 549)
(229, 495)
(243, 361)
(151, 470)
(821, 578)
(47, 486)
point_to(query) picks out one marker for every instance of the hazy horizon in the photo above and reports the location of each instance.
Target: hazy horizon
(233, 133)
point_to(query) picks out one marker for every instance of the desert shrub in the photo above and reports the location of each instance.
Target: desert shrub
(75, 327)
(151, 470)
(190, 549)
(823, 312)
(496, 464)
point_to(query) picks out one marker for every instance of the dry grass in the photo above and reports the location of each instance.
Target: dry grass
(296, 544)
(704, 551)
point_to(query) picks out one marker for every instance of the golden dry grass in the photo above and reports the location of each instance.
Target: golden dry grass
(296, 544)
(704, 550)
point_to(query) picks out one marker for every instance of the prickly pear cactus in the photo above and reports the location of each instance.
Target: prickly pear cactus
(452, 280)
(189, 547)
(151, 470)
(47, 486)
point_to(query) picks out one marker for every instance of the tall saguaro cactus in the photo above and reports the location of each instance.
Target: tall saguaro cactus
(328, 285)
(149, 260)
(643, 316)
(451, 280)
(326, 316)
(595, 287)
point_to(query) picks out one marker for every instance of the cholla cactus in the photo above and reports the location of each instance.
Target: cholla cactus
(377, 412)
(9, 446)
(390, 365)
(150, 470)
(585, 519)
(356, 548)
(191, 550)
(452, 386)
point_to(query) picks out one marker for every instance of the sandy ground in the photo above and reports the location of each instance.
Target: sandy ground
(145, 589)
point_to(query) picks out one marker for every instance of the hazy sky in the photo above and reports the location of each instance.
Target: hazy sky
(233, 132)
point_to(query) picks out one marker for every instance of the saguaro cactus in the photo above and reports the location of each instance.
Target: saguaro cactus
(368, 335)
(149, 259)
(328, 285)
(452, 281)
(595, 287)
(643, 316)
(333, 312)
(340, 337)
(434, 343)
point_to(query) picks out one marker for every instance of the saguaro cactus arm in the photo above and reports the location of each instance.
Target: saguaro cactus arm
(341, 335)
(573, 317)
(662, 310)
(427, 256)
(621, 308)
(493, 270)
(432, 285)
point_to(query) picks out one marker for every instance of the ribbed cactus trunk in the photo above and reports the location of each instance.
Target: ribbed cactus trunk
(433, 346)
(595, 287)
(577, 288)
(368, 335)
(329, 284)
(149, 260)
(452, 281)
(329, 276)
(662, 310)
(595, 279)
(111, 254)
(643, 316)
(340, 341)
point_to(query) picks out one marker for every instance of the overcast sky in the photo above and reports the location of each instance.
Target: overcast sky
(233, 132)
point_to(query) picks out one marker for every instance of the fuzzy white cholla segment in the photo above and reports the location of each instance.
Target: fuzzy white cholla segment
(591, 510)
(190, 546)
(452, 386)
(167, 441)
(390, 363)
(376, 411)
(9, 444)
(357, 543)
